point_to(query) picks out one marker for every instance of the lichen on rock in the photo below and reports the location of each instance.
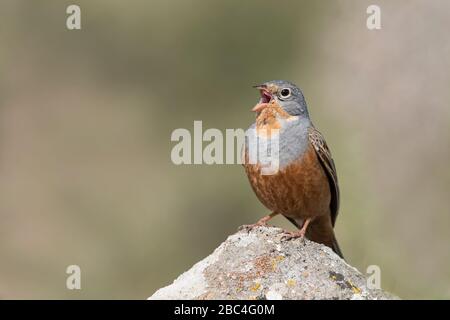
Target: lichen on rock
(259, 264)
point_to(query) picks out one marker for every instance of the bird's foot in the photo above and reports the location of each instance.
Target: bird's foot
(261, 223)
(252, 226)
(288, 235)
(297, 234)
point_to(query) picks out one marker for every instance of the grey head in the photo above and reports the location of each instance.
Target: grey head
(287, 94)
(293, 139)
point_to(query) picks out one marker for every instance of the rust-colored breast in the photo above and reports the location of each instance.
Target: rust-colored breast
(299, 190)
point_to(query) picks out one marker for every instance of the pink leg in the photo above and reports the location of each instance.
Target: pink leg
(299, 233)
(261, 222)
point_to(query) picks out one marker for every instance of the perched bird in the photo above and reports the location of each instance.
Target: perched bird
(305, 188)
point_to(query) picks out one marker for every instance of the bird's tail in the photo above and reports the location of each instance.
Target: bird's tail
(328, 239)
(335, 247)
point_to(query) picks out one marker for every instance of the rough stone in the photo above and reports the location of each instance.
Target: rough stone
(259, 264)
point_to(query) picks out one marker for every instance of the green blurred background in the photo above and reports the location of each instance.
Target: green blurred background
(86, 118)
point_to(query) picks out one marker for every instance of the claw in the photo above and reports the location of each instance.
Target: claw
(250, 227)
(293, 235)
(261, 222)
(297, 234)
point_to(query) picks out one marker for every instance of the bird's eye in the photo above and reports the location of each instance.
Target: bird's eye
(285, 92)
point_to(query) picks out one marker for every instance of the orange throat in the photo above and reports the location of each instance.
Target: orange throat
(267, 121)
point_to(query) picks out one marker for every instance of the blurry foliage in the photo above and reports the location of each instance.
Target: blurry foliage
(86, 118)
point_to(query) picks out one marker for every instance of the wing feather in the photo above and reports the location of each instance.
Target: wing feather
(324, 155)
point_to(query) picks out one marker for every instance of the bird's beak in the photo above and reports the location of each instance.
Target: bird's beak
(266, 97)
(260, 86)
(259, 107)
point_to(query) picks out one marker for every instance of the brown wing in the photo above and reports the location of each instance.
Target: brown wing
(324, 155)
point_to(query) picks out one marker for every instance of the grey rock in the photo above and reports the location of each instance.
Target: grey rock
(259, 264)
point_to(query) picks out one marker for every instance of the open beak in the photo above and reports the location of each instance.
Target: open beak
(266, 97)
(259, 107)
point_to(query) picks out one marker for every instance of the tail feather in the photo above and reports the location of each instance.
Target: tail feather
(336, 249)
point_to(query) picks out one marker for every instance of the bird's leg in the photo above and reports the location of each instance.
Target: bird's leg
(299, 233)
(261, 222)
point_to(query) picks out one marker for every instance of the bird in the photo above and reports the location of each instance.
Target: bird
(304, 187)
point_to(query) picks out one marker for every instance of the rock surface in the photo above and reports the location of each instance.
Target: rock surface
(259, 264)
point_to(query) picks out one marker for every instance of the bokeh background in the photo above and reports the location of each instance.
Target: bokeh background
(86, 118)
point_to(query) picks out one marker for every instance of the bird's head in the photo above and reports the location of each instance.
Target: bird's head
(286, 94)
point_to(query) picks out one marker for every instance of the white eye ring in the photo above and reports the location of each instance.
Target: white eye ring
(285, 93)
